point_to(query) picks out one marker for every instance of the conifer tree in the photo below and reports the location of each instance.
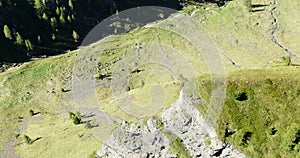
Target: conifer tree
(69, 19)
(62, 15)
(57, 11)
(75, 36)
(28, 45)
(7, 32)
(62, 19)
(53, 22)
(40, 7)
(71, 4)
(45, 17)
(19, 39)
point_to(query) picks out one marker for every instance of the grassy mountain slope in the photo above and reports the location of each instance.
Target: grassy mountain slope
(263, 122)
(256, 125)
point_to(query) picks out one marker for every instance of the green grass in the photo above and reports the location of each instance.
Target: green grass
(289, 29)
(273, 91)
(44, 80)
(122, 52)
(242, 35)
(176, 146)
(31, 79)
(18, 93)
(30, 87)
(272, 104)
(58, 137)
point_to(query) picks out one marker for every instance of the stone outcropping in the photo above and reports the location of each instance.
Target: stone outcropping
(183, 120)
(197, 135)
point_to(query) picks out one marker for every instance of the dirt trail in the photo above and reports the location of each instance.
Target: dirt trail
(276, 24)
(9, 150)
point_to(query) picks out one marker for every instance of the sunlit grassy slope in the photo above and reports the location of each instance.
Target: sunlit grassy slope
(153, 43)
(289, 31)
(59, 138)
(265, 123)
(37, 85)
(241, 36)
(28, 87)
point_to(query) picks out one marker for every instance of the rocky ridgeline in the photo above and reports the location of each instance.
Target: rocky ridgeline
(183, 121)
(197, 135)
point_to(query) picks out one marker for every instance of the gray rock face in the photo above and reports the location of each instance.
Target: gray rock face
(198, 137)
(136, 140)
(182, 120)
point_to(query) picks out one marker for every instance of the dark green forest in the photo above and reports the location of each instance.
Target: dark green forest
(33, 28)
(38, 28)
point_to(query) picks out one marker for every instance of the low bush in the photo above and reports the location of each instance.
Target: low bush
(76, 118)
(240, 96)
(27, 139)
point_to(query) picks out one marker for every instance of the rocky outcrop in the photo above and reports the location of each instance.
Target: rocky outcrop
(135, 141)
(183, 120)
(197, 135)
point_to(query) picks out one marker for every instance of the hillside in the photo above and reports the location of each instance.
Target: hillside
(49, 26)
(205, 82)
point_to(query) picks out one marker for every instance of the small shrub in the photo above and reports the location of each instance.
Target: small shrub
(228, 132)
(246, 137)
(93, 155)
(27, 139)
(77, 114)
(65, 90)
(298, 93)
(272, 131)
(75, 117)
(76, 120)
(31, 112)
(242, 138)
(71, 115)
(160, 124)
(268, 81)
(207, 142)
(88, 125)
(20, 119)
(17, 136)
(240, 96)
(287, 60)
